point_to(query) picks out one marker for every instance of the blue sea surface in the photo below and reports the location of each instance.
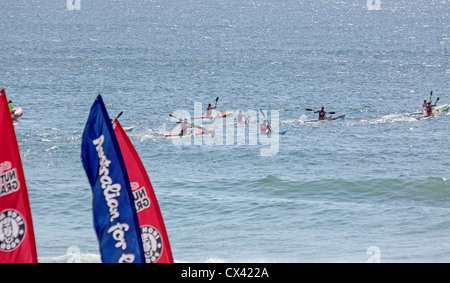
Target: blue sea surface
(373, 186)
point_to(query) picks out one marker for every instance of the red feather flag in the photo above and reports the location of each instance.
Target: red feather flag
(154, 236)
(17, 243)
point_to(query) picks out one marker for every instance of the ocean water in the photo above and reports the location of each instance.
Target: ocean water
(371, 187)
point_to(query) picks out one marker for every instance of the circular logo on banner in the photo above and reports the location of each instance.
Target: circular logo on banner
(12, 230)
(152, 243)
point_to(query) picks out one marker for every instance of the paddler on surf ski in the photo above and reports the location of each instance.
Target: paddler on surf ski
(240, 117)
(425, 105)
(210, 109)
(322, 113)
(185, 125)
(264, 128)
(429, 108)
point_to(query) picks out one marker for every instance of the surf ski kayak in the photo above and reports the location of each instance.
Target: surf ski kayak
(197, 132)
(426, 116)
(439, 109)
(220, 115)
(331, 118)
(128, 129)
(282, 132)
(442, 108)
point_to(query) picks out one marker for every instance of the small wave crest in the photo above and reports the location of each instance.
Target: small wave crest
(390, 118)
(73, 255)
(431, 191)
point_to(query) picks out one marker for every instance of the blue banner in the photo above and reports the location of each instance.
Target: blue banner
(115, 217)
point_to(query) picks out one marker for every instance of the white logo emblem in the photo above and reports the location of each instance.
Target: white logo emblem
(152, 243)
(12, 230)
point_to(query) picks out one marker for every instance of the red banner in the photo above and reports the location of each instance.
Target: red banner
(154, 235)
(17, 242)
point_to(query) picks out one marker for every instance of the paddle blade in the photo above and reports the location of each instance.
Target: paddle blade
(263, 113)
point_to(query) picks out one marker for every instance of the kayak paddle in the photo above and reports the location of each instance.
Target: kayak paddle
(309, 109)
(179, 122)
(117, 117)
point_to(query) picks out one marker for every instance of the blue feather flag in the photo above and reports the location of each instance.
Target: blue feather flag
(115, 218)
